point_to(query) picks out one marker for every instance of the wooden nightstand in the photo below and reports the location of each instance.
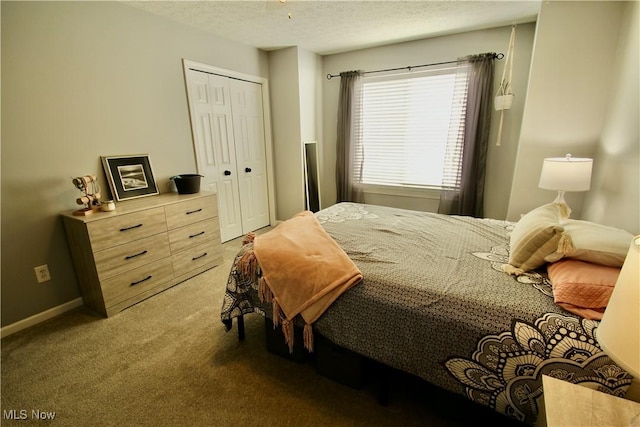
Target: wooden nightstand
(571, 405)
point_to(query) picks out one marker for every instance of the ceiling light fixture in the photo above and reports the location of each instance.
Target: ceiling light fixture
(289, 15)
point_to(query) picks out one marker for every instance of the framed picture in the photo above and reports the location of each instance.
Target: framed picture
(129, 176)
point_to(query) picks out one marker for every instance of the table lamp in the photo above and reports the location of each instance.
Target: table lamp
(565, 174)
(619, 330)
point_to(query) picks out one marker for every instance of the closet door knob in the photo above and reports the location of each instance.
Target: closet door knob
(247, 170)
(227, 173)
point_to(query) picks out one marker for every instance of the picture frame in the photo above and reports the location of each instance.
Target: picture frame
(129, 176)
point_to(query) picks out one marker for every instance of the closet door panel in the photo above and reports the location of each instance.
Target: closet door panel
(215, 152)
(229, 208)
(250, 153)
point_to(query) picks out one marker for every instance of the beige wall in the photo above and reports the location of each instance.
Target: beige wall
(310, 78)
(285, 116)
(81, 80)
(500, 160)
(296, 115)
(583, 99)
(615, 195)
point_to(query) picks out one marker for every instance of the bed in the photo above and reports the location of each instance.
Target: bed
(436, 302)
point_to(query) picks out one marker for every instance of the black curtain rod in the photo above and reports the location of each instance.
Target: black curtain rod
(330, 76)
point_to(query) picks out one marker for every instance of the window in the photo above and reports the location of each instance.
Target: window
(405, 127)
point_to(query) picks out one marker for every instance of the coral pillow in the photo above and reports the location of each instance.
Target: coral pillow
(536, 236)
(582, 288)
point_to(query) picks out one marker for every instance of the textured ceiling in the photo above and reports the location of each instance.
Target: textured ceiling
(333, 26)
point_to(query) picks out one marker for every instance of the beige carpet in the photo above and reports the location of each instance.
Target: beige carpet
(168, 362)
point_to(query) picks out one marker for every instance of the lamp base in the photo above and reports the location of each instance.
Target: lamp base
(564, 213)
(560, 198)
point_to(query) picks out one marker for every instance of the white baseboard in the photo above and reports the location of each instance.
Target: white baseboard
(40, 317)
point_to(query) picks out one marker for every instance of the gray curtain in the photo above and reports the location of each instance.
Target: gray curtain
(468, 198)
(346, 172)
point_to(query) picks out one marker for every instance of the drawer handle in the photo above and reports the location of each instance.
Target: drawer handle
(196, 235)
(192, 212)
(140, 281)
(198, 257)
(131, 228)
(133, 256)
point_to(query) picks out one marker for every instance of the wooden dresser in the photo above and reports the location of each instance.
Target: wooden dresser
(143, 247)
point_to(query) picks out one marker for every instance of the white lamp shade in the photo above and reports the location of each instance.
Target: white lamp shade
(566, 174)
(619, 330)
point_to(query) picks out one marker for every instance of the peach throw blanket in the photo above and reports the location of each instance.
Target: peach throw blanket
(303, 271)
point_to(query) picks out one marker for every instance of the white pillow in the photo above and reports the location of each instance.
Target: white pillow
(595, 243)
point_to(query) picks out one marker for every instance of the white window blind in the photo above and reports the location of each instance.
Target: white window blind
(405, 124)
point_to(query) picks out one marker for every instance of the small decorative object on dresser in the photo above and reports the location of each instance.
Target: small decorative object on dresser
(143, 248)
(188, 183)
(129, 176)
(88, 184)
(108, 206)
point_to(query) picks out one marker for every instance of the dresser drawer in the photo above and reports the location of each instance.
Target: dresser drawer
(196, 257)
(190, 211)
(116, 260)
(137, 281)
(191, 235)
(126, 228)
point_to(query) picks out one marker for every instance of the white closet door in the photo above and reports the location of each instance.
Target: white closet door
(248, 128)
(214, 145)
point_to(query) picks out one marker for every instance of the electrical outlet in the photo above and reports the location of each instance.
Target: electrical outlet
(42, 273)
